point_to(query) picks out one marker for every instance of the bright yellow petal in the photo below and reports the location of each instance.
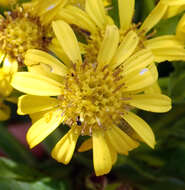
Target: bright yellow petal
(29, 104)
(43, 127)
(153, 69)
(35, 57)
(67, 40)
(86, 145)
(10, 66)
(169, 54)
(165, 41)
(78, 17)
(109, 46)
(126, 48)
(96, 11)
(154, 88)
(138, 80)
(37, 116)
(121, 142)
(126, 12)
(35, 84)
(44, 70)
(113, 152)
(180, 30)
(174, 10)
(173, 2)
(151, 102)
(46, 10)
(101, 154)
(154, 17)
(140, 127)
(139, 60)
(56, 48)
(63, 151)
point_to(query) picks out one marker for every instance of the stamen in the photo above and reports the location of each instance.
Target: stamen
(106, 75)
(118, 88)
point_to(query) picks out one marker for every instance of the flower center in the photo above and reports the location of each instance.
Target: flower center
(92, 98)
(19, 32)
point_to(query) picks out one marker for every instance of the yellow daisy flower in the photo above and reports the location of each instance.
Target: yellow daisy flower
(7, 69)
(94, 98)
(94, 19)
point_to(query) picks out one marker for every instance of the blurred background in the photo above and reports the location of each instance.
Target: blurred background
(144, 168)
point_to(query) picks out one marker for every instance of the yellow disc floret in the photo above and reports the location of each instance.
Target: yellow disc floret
(90, 99)
(20, 32)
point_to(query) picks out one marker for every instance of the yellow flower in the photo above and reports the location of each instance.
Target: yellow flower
(180, 30)
(174, 7)
(94, 19)
(8, 68)
(94, 98)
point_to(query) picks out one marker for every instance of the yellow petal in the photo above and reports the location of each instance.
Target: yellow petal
(173, 2)
(43, 127)
(44, 70)
(37, 116)
(140, 127)
(101, 154)
(174, 10)
(86, 145)
(165, 41)
(139, 60)
(10, 66)
(46, 10)
(2, 55)
(35, 84)
(67, 40)
(108, 46)
(63, 151)
(35, 57)
(169, 54)
(126, 12)
(78, 17)
(153, 69)
(113, 152)
(96, 11)
(154, 88)
(126, 48)
(180, 30)
(29, 104)
(4, 112)
(138, 80)
(121, 142)
(56, 48)
(151, 102)
(154, 17)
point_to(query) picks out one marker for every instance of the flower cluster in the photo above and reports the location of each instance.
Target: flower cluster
(92, 85)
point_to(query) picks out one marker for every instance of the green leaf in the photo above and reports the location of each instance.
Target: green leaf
(44, 184)
(14, 176)
(176, 83)
(114, 13)
(167, 26)
(144, 7)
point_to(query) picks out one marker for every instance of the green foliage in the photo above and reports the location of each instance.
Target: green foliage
(20, 177)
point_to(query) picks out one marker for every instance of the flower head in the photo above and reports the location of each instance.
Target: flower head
(94, 19)
(8, 68)
(94, 96)
(19, 31)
